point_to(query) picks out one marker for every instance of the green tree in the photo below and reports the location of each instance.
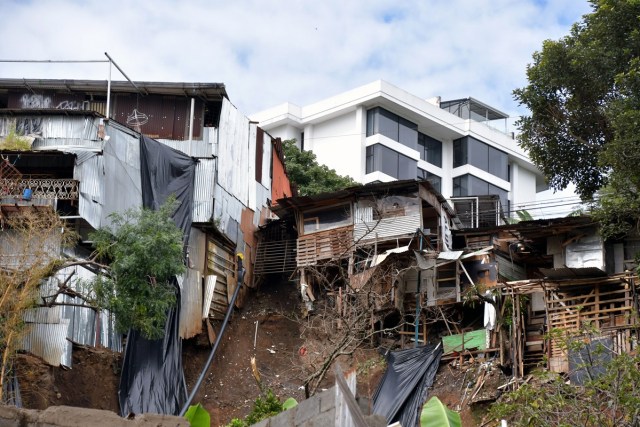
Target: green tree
(31, 241)
(611, 398)
(144, 250)
(310, 177)
(583, 96)
(135, 260)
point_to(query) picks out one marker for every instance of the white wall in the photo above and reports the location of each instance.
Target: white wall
(338, 143)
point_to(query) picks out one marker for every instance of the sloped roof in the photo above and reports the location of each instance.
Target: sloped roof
(286, 205)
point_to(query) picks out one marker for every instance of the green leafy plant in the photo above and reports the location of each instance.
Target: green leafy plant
(265, 406)
(609, 395)
(521, 215)
(308, 175)
(198, 416)
(289, 403)
(14, 141)
(436, 414)
(144, 251)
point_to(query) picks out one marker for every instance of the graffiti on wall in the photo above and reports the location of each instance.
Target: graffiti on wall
(37, 101)
(29, 125)
(70, 105)
(31, 101)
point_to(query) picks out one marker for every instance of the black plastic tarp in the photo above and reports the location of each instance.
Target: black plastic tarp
(166, 172)
(404, 387)
(152, 377)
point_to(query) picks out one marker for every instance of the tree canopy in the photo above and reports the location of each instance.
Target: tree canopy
(144, 248)
(584, 101)
(310, 177)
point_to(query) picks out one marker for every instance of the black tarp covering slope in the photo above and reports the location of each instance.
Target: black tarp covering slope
(167, 172)
(152, 377)
(404, 387)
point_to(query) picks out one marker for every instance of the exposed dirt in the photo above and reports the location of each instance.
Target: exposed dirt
(229, 387)
(92, 383)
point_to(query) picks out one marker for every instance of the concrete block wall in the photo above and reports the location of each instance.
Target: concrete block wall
(67, 416)
(317, 411)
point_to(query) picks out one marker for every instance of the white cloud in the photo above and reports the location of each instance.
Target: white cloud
(271, 51)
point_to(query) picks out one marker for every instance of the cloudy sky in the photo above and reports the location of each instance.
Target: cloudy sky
(268, 52)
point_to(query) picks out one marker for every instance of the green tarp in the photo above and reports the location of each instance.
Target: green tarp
(474, 340)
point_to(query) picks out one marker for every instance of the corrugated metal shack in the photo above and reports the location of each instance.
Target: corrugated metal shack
(559, 280)
(97, 162)
(383, 236)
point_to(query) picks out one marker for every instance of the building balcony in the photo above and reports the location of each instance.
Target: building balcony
(40, 191)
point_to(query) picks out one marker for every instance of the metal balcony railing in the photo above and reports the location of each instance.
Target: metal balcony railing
(49, 189)
(478, 211)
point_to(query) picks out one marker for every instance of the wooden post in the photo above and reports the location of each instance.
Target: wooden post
(339, 307)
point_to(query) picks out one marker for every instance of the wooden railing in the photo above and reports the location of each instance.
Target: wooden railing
(60, 189)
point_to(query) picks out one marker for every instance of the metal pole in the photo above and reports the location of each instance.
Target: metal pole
(53, 61)
(107, 113)
(122, 72)
(218, 338)
(193, 103)
(417, 322)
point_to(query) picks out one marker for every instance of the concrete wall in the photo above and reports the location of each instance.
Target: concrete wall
(67, 416)
(319, 410)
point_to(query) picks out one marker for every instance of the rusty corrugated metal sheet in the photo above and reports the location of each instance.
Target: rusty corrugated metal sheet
(203, 191)
(190, 304)
(198, 250)
(164, 117)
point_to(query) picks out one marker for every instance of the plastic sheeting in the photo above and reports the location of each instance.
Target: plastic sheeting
(167, 172)
(404, 387)
(152, 375)
(152, 378)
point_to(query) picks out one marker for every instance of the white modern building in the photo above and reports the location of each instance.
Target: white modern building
(380, 133)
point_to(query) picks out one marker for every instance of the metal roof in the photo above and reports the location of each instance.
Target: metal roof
(206, 91)
(536, 228)
(572, 273)
(285, 205)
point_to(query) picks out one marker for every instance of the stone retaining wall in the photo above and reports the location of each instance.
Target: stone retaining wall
(67, 416)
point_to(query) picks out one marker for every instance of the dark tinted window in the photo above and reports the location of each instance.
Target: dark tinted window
(408, 133)
(470, 151)
(478, 154)
(390, 162)
(433, 179)
(430, 149)
(459, 152)
(383, 122)
(469, 185)
(498, 163)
